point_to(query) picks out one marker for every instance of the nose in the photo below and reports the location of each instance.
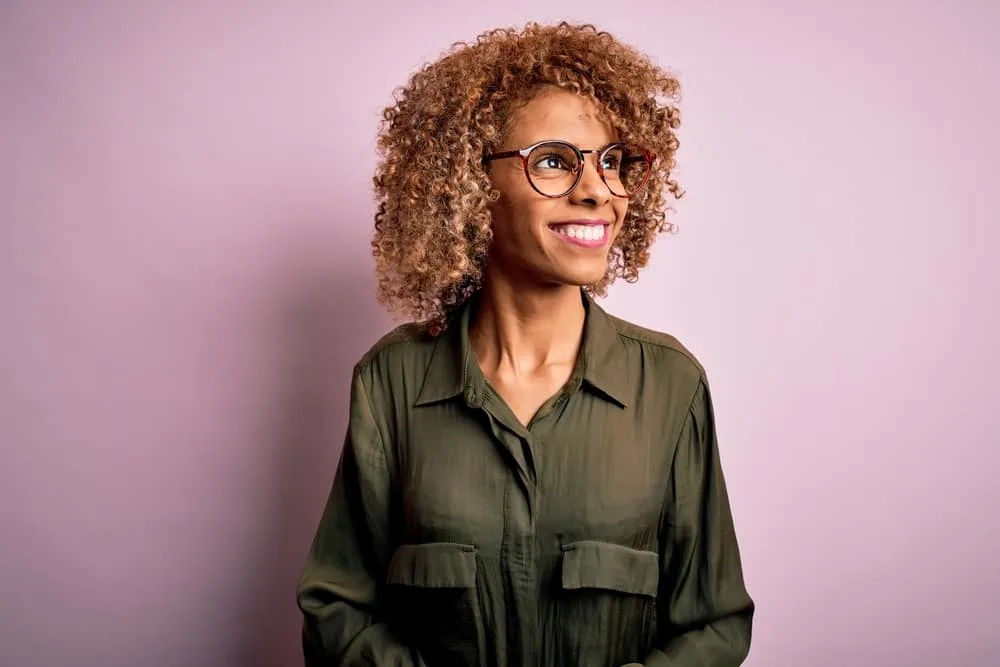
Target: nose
(591, 189)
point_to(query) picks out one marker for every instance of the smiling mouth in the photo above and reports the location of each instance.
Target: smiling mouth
(589, 234)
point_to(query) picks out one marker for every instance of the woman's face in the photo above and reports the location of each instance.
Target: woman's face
(540, 241)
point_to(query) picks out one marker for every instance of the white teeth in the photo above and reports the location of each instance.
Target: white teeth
(582, 232)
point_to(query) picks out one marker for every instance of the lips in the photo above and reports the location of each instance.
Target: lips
(586, 233)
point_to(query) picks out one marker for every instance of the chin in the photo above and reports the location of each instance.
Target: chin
(582, 277)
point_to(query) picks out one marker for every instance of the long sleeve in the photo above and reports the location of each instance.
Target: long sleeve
(340, 587)
(705, 610)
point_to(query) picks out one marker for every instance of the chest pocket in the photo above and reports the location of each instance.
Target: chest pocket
(433, 603)
(606, 607)
(612, 567)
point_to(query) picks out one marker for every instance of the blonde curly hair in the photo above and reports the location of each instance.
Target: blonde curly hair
(433, 224)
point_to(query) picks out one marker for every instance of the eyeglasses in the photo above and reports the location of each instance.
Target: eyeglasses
(555, 168)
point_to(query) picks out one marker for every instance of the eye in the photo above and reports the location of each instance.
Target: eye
(551, 161)
(612, 161)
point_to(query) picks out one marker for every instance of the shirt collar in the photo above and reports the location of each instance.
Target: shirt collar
(453, 369)
(449, 373)
(603, 356)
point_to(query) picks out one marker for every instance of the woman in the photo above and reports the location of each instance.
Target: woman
(526, 480)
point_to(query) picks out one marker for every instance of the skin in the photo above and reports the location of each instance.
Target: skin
(528, 329)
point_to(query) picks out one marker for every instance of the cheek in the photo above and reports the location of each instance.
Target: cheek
(517, 220)
(621, 209)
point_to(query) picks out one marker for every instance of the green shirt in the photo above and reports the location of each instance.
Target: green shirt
(598, 535)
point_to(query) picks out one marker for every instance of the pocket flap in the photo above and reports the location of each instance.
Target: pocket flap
(592, 564)
(434, 565)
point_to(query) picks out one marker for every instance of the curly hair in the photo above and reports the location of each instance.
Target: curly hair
(433, 224)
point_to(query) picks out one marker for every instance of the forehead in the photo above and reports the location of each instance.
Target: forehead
(559, 114)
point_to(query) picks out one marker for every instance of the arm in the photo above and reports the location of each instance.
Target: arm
(705, 609)
(339, 591)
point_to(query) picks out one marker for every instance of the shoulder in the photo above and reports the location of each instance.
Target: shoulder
(410, 341)
(405, 364)
(676, 379)
(659, 347)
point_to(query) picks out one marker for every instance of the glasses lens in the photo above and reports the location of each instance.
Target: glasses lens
(626, 169)
(553, 168)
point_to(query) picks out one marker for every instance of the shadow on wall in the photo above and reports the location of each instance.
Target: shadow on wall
(328, 319)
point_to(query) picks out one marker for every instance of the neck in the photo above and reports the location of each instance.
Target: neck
(524, 330)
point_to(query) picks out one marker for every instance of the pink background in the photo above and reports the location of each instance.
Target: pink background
(186, 284)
